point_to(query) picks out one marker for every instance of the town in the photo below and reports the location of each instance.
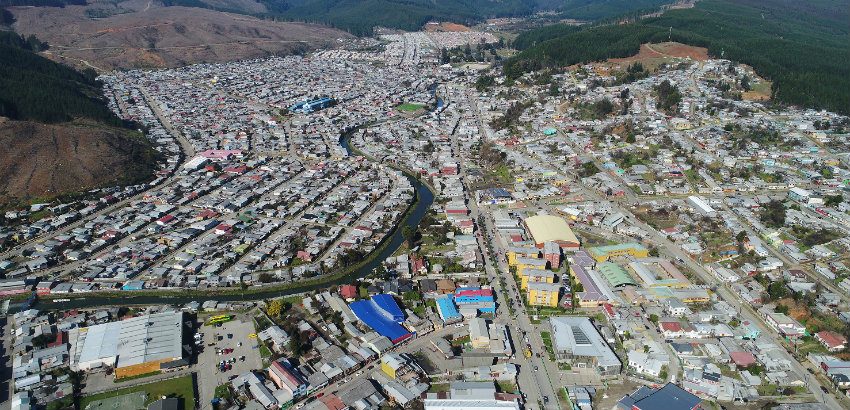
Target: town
(375, 226)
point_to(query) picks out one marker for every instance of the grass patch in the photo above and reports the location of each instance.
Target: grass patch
(410, 107)
(547, 342)
(265, 353)
(181, 387)
(439, 388)
(507, 386)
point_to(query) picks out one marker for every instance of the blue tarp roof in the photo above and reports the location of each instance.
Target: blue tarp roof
(447, 308)
(382, 314)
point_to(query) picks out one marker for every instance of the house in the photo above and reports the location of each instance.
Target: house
(782, 323)
(667, 397)
(479, 334)
(833, 342)
(348, 292)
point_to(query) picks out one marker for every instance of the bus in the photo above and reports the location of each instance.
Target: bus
(219, 319)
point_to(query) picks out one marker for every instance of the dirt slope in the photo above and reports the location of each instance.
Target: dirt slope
(144, 34)
(44, 161)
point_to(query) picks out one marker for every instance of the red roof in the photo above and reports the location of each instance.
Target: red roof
(831, 339)
(671, 326)
(475, 292)
(348, 291)
(743, 359)
(332, 402)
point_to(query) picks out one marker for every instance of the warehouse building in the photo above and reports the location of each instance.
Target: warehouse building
(140, 345)
(550, 228)
(603, 253)
(382, 314)
(703, 208)
(576, 340)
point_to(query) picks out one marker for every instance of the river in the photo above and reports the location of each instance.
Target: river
(424, 199)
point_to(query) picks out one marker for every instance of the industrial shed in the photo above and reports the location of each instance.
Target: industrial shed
(134, 346)
(549, 228)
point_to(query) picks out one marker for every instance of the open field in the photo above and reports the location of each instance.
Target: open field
(653, 55)
(410, 107)
(446, 26)
(182, 387)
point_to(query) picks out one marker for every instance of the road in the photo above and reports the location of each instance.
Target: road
(536, 384)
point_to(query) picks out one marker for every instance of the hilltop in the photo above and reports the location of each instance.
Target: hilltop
(147, 35)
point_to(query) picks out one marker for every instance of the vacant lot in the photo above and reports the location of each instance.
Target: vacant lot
(653, 55)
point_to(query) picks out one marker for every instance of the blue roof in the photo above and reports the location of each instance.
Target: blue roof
(669, 397)
(382, 314)
(447, 308)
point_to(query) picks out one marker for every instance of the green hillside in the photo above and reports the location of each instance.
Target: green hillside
(592, 10)
(802, 47)
(35, 88)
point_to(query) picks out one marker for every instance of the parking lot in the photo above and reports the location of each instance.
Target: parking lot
(216, 340)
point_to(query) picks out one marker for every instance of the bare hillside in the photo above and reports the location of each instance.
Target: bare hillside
(143, 34)
(44, 161)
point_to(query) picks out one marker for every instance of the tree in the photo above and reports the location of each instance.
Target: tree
(669, 97)
(266, 277)
(408, 233)
(773, 214)
(275, 308)
(653, 318)
(745, 83)
(602, 108)
(833, 200)
(777, 290)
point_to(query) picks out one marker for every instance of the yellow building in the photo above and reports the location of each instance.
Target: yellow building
(543, 294)
(523, 264)
(391, 363)
(535, 275)
(520, 252)
(603, 253)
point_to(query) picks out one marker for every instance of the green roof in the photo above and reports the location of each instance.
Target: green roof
(602, 250)
(615, 274)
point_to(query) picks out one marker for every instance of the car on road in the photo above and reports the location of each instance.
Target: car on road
(824, 389)
(535, 368)
(545, 399)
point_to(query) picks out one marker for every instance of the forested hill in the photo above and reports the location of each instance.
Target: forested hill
(360, 16)
(803, 47)
(35, 88)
